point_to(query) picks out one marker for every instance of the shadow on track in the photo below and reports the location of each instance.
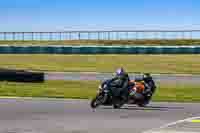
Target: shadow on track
(148, 108)
(170, 108)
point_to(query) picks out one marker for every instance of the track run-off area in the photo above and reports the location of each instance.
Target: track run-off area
(75, 116)
(159, 78)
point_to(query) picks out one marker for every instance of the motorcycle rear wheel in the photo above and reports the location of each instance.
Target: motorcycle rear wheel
(143, 104)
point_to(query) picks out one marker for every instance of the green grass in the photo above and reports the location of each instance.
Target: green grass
(177, 93)
(104, 63)
(50, 89)
(87, 90)
(106, 42)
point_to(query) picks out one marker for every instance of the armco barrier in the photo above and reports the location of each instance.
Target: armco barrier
(21, 76)
(6, 49)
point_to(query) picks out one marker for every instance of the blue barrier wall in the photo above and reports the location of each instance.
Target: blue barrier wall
(99, 49)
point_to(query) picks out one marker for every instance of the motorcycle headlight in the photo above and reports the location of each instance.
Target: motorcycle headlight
(100, 87)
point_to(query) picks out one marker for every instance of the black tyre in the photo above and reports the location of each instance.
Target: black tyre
(97, 101)
(143, 104)
(117, 104)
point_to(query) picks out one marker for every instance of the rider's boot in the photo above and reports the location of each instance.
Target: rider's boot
(124, 100)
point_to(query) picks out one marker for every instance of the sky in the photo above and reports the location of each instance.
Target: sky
(63, 15)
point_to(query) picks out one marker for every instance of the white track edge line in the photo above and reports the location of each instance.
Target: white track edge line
(170, 124)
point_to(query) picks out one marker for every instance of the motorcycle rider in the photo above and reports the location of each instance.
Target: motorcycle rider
(119, 84)
(145, 93)
(149, 85)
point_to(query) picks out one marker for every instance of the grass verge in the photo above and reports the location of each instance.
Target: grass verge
(87, 89)
(106, 42)
(103, 63)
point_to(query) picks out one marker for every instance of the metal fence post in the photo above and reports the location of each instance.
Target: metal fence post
(183, 35)
(117, 35)
(98, 34)
(109, 35)
(191, 33)
(32, 36)
(4, 36)
(23, 36)
(70, 36)
(136, 35)
(79, 36)
(13, 35)
(88, 36)
(127, 36)
(60, 36)
(50, 36)
(40, 34)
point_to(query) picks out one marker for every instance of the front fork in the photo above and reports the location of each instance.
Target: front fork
(103, 94)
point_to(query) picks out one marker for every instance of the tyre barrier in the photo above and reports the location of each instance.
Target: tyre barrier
(21, 76)
(6, 49)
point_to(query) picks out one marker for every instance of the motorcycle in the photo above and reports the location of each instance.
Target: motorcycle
(136, 95)
(105, 96)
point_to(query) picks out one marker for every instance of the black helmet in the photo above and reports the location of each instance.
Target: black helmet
(147, 77)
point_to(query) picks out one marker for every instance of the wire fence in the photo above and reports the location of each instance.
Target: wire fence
(101, 35)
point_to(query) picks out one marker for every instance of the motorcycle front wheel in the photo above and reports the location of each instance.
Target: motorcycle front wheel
(144, 103)
(97, 101)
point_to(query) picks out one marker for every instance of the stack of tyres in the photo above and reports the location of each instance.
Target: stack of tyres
(21, 76)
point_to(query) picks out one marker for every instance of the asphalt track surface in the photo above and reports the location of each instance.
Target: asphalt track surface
(159, 78)
(76, 116)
